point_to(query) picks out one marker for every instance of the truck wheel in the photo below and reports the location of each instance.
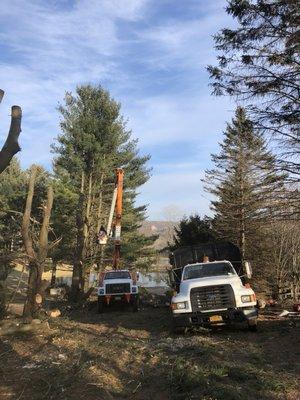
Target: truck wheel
(252, 325)
(100, 306)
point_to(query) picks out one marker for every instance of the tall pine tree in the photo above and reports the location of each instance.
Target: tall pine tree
(248, 191)
(94, 142)
(258, 64)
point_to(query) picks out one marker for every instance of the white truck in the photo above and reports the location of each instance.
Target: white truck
(212, 293)
(118, 286)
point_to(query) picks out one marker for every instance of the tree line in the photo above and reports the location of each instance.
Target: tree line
(255, 192)
(57, 216)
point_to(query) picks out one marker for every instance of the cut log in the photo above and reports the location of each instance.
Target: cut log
(54, 313)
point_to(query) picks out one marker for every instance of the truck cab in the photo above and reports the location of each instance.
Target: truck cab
(212, 293)
(117, 286)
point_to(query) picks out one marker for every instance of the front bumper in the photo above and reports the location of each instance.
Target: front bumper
(228, 316)
(126, 298)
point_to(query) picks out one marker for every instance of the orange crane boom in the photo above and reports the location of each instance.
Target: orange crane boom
(118, 218)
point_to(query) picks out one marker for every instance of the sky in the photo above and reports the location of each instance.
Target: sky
(150, 54)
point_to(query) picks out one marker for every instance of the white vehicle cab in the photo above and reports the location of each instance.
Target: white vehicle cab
(118, 286)
(213, 293)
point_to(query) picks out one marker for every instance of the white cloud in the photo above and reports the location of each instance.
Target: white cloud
(54, 45)
(187, 117)
(53, 50)
(186, 44)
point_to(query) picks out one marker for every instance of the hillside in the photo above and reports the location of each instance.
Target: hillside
(165, 230)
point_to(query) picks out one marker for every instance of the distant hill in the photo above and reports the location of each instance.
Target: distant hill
(165, 230)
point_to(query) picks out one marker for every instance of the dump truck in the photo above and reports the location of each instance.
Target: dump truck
(212, 287)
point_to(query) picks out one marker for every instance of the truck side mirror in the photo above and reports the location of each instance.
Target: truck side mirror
(248, 269)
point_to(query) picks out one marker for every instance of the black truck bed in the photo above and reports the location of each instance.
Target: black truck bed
(216, 251)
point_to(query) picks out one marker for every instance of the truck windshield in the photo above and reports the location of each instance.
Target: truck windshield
(206, 270)
(117, 275)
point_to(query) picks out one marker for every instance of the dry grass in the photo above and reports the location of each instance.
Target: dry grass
(124, 355)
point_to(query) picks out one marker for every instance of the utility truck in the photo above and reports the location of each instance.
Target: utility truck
(211, 292)
(116, 285)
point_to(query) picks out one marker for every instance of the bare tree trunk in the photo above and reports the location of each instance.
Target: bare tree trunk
(33, 299)
(36, 259)
(43, 238)
(53, 276)
(2, 297)
(25, 230)
(77, 266)
(87, 234)
(11, 145)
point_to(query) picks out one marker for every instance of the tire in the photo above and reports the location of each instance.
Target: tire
(100, 306)
(252, 326)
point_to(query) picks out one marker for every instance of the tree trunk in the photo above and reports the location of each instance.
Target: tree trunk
(53, 276)
(2, 297)
(77, 265)
(11, 145)
(36, 259)
(34, 295)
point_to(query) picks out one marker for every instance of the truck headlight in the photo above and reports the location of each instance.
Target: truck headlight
(179, 306)
(249, 298)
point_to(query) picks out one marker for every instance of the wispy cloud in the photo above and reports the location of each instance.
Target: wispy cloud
(150, 54)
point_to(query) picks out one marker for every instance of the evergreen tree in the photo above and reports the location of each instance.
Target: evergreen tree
(12, 196)
(93, 144)
(193, 230)
(63, 221)
(259, 64)
(248, 191)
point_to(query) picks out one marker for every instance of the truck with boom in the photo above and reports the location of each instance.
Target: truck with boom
(209, 288)
(116, 285)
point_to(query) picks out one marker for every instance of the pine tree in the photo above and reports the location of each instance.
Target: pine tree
(248, 191)
(193, 230)
(12, 195)
(258, 64)
(94, 142)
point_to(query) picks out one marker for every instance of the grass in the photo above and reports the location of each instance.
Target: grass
(189, 378)
(126, 355)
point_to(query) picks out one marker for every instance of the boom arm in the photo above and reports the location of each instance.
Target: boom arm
(116, 207)
(119, 202)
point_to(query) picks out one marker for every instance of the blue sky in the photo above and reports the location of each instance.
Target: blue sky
(150, 54)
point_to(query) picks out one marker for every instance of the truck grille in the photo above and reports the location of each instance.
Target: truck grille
(212, 298)
(112, 288)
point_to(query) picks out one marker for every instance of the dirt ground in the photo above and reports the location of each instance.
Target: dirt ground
(126, 355)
